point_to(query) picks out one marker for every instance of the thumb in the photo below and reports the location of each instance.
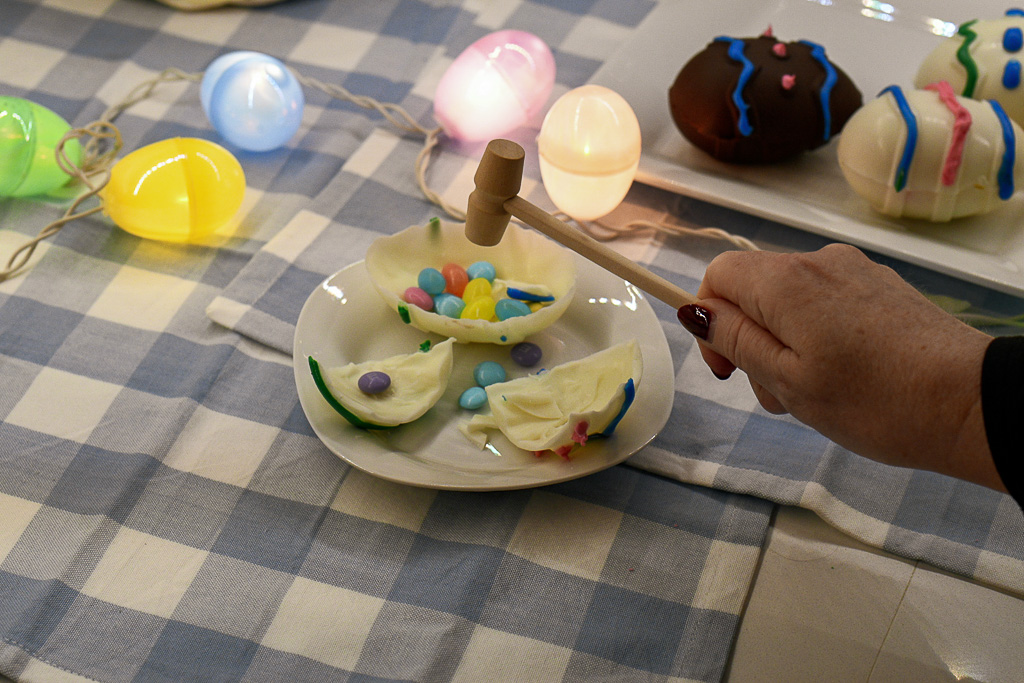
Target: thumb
(726, 333)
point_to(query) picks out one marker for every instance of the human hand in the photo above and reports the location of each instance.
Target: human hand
(849, 348)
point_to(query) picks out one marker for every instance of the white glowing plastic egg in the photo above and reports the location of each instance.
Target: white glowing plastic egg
(589, 148)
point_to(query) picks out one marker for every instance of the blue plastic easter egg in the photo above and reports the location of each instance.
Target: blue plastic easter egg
(253, 100)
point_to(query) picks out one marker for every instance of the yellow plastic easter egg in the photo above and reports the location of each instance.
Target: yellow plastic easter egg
(177, 190)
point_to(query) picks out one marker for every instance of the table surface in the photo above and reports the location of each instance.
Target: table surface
(169, 513)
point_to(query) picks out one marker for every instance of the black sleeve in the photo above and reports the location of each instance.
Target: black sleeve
(1002, 403)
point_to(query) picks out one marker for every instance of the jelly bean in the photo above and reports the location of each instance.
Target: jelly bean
(252, 99)
(475, 288)
(455, 278)
(480, 308)
(535, 306)
(526, 354)
(488, 373)
(482, 269)
(179, 189)
(510, 308)
(449, 305)
(374, 382)
(473, 398)
(417, 297)
(431, 281)
(29, 134)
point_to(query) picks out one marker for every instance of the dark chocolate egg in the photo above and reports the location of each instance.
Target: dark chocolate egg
(759, 100)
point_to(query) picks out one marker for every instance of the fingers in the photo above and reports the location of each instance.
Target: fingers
(729, 339)
(767, 399)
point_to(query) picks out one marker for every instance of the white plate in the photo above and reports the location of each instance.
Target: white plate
(345, 320)
(877, 44)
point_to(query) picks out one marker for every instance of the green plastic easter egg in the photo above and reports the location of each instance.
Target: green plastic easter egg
(29, 134)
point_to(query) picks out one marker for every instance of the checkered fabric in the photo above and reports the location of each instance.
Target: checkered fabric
(166, 511)
(718, 435)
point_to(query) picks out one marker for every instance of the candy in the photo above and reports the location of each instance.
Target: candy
(475, 288)
(417, 297)
(449, 305)
(480, 308)
(510, 308)
(455, 277)
(488, 372)
(526, 354)
(930, 154)
(431, 281)
(178, 190)
(374, 382)
(482, 269)
(473, 398)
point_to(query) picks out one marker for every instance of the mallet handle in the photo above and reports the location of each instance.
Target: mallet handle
(589, 248)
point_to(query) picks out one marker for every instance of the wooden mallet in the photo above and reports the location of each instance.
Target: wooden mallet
(496, 199)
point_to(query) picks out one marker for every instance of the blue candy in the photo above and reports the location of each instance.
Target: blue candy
(481, 269)
(431, 281)
(449, 305)
(488, 373)
(473, 398)
(510, 308)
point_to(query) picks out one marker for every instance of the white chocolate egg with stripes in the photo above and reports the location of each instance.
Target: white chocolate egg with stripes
(930, 154)
(982, 61)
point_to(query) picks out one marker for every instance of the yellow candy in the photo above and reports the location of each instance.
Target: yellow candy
(535, 306)
(178, 190)
(476, 287)
(480, 308)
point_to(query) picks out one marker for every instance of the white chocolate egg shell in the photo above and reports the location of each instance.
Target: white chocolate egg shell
(872, 146)
(522, 256)
(994, 64)
(418, 380)
(564, 406)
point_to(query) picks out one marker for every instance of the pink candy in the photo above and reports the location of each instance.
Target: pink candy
(418, 297)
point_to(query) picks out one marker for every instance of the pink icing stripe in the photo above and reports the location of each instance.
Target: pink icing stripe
(961, 124)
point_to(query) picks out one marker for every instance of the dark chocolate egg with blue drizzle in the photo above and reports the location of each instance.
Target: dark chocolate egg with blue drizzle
(760, 100)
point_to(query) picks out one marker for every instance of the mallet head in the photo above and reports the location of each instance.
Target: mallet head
(498, 179)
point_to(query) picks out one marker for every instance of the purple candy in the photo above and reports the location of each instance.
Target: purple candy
(374, 382)
(526, 354)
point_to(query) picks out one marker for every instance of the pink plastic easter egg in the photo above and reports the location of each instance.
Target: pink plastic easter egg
(495, 86)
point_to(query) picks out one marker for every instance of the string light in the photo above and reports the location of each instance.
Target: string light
(495, 86)
(253, 100)
(589, 148)
(29, 134)
(176, 190)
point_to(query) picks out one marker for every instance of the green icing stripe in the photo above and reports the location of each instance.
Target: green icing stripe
(963, 55)
(403, 313)
(318, 379)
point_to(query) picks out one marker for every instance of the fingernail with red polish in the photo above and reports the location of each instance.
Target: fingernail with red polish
(696, 319)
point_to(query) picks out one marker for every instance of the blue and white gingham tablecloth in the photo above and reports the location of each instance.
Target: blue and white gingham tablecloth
(167, 513)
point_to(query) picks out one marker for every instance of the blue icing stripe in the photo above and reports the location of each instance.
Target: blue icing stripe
(523, 295)
(1013, 39)
(1011, 74)
(1015, 12)
(908, 149)
(825, 94)
(736, 48)
(1009, 153)
(629, 389)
